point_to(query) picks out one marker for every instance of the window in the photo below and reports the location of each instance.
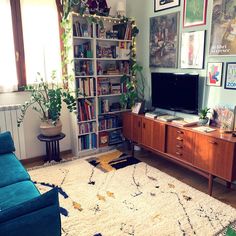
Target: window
(30, 42)
(41, 38)
(8, 79)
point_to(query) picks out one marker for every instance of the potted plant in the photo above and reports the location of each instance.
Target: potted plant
(46, 99)
(203, 119)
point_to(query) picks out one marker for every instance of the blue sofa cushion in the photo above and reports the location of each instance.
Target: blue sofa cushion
(11, 170)
(23, 219)
(17, 193)
(6, 143)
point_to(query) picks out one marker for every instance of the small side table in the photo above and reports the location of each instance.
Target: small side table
(52, 146)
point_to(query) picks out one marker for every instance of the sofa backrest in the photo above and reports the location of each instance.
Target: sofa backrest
(6, 143)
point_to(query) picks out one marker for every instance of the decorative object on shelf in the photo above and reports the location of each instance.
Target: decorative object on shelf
(192, 49)
(223, 28)
(203, 119)
(194, 13)
(164, 34)
(162, 5)
(214, 73)
(223, 118)
(47, 100)
(98, 7)
(120, 10)
(230, 78)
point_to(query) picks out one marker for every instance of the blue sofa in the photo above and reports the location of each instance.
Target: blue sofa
(23, 210)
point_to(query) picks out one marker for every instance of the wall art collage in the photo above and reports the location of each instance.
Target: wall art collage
(165, 38)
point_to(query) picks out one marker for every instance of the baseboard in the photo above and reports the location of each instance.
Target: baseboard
(39, 159)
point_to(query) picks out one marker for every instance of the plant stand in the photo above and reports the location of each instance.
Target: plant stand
(52, 146)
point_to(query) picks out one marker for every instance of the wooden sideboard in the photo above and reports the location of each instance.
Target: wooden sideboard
(210, 154)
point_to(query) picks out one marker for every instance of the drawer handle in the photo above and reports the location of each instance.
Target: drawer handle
(179, 146)
(179, 138)
(212, 142)
(180, 132)
(178, 153)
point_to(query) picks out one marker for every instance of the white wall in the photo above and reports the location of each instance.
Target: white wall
(34, 147)
(211, 96)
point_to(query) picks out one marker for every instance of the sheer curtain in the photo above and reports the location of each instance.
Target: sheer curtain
(41, 38)
(8, 75)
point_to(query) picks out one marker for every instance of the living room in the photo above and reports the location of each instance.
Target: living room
(109, 180)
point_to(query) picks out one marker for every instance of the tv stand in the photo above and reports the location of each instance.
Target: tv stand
(208, 154)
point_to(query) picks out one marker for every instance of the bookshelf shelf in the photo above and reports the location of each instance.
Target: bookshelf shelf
(100, 60)
(112, 129)
(86, 121)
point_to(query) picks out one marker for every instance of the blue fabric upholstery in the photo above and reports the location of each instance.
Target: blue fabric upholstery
(38, 217)
(11, 170)
(14, 194)
(23, 210)
(6, 143)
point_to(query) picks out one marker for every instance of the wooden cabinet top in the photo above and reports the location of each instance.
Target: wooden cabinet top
(214, 134)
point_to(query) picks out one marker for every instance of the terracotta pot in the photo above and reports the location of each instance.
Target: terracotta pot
(48, 129)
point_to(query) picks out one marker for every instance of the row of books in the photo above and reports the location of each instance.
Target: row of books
(82, 29)
(83, 50)
(86, 86)
(109, 122)
(124, 30)
(105, 87)
(85, 128)
(83, 68)
(113, 68)
(103, 106)
(87, 142)
(86, 110)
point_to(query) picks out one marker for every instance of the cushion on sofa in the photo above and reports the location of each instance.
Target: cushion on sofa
(17, 193)
(38, 216)
(11, 170)
(6, 143)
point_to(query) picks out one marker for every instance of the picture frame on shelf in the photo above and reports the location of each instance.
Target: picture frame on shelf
(230, 77)
(164, 38)
(136, 108)
(192, 50)
(160, 5)
(194, 13)
(214, 73)
(223, 29)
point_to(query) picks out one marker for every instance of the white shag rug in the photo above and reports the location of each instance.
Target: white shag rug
(136, 200)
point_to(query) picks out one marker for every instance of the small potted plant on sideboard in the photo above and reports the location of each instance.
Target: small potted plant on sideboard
(203, 119)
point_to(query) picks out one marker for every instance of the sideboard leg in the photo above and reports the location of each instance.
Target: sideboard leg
(228, 184)
(210, 184)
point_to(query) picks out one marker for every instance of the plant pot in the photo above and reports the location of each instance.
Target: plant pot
(203, 121)
(49, 130)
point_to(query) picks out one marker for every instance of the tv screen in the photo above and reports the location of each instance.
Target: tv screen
(177, 92)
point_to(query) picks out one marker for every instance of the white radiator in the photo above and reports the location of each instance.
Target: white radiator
(8, 122)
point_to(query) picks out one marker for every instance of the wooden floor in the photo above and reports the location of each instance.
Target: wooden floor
(186, 176)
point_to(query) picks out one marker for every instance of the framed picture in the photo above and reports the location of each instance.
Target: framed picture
(137, 107)
(230, 78)
(160, 5)
(214, 73)
(223, 28)
(194, 12)
(192, 49)
(164, 34)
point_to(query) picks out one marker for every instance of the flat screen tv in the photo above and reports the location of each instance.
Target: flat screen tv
(177, 92)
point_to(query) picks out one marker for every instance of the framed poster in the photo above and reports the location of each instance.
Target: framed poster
(230, 78)
(192, 49)
(160, 5)
(164, 40)
(223, 28)
(214, 73)
(194, 12)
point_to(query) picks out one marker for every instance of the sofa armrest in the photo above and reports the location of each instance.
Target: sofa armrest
(6, 143)
(38, 216)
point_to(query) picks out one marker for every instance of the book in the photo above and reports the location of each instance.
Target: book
(168, 118)
(204, 129)
(185, 123)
